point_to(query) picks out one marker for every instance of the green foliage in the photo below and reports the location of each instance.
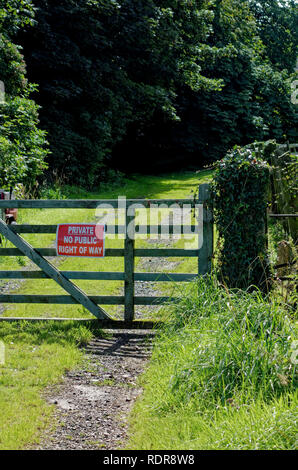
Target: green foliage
(176, 82)
(12, 68)
(107, 67)
(254, 102)
(240, 191)
(284, 189)
(15, 14)
(243, 346)
(221, 374)
(22, 143)
(277, 26)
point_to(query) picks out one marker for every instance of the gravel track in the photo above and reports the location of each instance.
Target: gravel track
(92, 404)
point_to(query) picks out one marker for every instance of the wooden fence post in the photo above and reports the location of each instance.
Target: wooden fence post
(206, 250)
(129, 260)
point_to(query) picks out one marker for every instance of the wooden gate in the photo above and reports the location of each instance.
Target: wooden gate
(129, 252)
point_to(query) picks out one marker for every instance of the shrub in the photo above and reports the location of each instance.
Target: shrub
(225, 347)
(22, 144)
(240, 191)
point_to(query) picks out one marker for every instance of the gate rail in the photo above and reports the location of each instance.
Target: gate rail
(13, 233)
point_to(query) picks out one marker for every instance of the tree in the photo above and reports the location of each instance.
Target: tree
(253, 104)
(105, 67)
(177, 82)
(22, 143)
(277, 26)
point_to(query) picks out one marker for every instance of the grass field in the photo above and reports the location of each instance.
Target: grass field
(172, 186)
(222, 376)
(37, 355)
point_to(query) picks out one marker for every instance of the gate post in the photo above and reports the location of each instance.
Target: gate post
(206, 251)
(129, 260)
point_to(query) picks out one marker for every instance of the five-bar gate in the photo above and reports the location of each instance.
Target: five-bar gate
(13, 233)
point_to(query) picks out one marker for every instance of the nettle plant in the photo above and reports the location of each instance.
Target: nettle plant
(240, 192)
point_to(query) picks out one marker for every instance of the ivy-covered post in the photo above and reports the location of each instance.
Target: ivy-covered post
(240, 191)
(206, 250)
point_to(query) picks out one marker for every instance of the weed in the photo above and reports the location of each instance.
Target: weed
(221, 364)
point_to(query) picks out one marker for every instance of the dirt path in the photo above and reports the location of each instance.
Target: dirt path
(92, 404)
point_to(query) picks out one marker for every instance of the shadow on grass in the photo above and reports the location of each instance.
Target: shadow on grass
(50, 332)
(177, 185)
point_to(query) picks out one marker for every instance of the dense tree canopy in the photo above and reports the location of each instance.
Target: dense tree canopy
(253, 104)
(103, 65)
(277, 26)
(145, 84)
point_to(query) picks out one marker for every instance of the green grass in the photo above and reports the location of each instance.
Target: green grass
(260, 426)
(38, 354)
(221, 375)
(173, 185)
(169, 186)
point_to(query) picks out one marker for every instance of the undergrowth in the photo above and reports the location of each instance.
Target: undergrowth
(222, 375)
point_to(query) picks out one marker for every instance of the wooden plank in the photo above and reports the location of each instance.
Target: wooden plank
(165, 253)
(206, 251)
(165, 277)
(77, 294)
(176, 229)
(113, 252)
(17, 252)
(25, 228)
(83, 275)
(116, 252)
(57, 204)
(105, 324)
(282, 215)
(88, 203)
(101, 276)
(69, 300)
(58, 299)
(129, 262)
(112, 230)
(23, 275)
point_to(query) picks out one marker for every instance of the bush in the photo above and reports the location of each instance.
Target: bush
(240, 190)
(236, 347)
(222, 374)
(22, 144)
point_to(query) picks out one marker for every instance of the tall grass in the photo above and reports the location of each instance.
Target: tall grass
(223, 357)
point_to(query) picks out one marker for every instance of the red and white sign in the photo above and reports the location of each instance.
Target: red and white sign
(84, 240)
